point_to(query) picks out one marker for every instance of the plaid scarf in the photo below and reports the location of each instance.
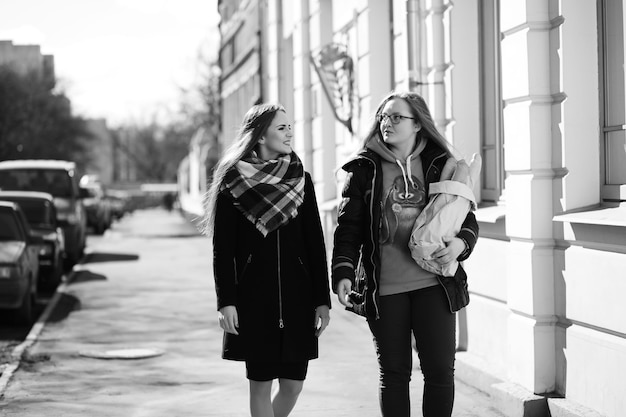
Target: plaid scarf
(268, 193)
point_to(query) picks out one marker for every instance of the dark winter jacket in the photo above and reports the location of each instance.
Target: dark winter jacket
(275, 282)
(356, 251)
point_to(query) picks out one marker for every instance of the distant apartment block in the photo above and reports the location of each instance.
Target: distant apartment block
(25, 59)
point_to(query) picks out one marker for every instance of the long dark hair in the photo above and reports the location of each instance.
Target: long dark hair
(254, 125)
(421, 113)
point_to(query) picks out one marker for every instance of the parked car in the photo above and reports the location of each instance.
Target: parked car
(97, 206)
(19, 263)
(60, 179)
(118, 200)
(42, 218)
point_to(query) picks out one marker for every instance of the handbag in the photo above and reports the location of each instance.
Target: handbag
(359, 291)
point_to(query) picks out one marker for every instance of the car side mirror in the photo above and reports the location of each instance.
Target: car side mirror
(83, 193)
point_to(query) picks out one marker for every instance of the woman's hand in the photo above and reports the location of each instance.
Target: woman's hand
(322, 318)
(454, 247)
(229, 319)
(343, 290)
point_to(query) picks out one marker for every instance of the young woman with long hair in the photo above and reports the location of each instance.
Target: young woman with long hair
(386, 188)
(269, 259)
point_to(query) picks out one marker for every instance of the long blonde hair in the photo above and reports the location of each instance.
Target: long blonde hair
(254, 125)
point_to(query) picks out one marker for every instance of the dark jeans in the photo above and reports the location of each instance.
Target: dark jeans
(426, 313)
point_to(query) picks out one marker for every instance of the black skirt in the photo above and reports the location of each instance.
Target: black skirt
(268, 371)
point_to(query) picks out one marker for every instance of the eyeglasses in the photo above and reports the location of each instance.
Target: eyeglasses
(395, 118)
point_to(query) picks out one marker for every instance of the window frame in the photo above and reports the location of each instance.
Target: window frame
(491, 103)
(610, 193)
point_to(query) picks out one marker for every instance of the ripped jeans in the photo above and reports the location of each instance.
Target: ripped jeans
(426, 314)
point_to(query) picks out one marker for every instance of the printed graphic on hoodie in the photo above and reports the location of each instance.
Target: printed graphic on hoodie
(402, 203)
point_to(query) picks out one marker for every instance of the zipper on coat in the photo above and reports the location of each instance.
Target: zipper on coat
(372, 236)
(281, 324)
(432, 164)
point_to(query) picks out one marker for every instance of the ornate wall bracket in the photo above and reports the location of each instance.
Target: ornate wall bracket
(335, 69)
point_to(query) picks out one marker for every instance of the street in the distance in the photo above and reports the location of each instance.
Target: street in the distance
(134, 333)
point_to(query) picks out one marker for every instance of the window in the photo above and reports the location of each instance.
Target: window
(613, 118)
(492, 138)
(56, 182)
(9, 227)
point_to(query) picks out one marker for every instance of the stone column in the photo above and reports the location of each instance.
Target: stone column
(302, 82)
(436, 43)
(323, 120)
(529, 97)
(274, 57)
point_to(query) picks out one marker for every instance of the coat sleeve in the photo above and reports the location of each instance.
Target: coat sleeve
(224, 246)
(469, 235)
(315, 245)
(352, 226)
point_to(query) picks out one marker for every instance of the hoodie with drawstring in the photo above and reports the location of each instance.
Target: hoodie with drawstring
(404, 197)
(381, 198)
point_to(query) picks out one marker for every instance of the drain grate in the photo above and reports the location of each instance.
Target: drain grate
(131, 353)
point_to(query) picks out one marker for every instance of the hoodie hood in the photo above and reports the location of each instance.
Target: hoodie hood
(377, 145)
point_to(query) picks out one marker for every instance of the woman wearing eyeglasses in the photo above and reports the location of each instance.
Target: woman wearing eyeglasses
(386, 188)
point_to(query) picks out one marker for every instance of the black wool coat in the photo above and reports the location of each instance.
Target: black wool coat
(275, 282)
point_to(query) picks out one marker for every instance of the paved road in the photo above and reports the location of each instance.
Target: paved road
(146, 287)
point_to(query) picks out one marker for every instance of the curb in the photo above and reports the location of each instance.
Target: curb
(18, 352)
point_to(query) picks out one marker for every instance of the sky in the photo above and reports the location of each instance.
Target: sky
(122, 60)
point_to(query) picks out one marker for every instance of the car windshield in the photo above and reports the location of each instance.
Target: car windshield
(9, 230)
(38, 213)
(53, 181)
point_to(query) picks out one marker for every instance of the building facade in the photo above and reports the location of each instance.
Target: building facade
(194, 173)
(537, 88)
(102, 153)
(25, 59)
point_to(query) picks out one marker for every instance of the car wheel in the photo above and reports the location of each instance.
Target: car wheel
(58, 273)
(100, 227)
(71, 259)
(69, 263)
(24, 314)
(55, 277)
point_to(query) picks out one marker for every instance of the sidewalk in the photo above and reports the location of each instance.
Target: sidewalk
(146, 290)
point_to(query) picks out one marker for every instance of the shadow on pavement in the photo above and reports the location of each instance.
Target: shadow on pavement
(109, 257)
(84, 275)
(66, 304)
